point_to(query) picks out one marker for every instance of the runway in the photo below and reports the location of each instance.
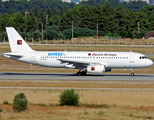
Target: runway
(73, 76)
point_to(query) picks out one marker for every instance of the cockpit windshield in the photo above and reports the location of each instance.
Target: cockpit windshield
(142, 57)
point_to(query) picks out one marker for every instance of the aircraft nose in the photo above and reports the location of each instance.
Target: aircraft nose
(150, 62)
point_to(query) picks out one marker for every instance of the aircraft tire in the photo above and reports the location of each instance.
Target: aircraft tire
(83, 73)
(132, 74)
(79, 73)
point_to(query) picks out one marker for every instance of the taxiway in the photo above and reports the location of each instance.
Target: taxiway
(73, 76)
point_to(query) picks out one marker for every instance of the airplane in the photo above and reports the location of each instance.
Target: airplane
(91, 62)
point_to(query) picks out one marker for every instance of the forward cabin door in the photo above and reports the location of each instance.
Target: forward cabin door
(33, 58)
(131, 58)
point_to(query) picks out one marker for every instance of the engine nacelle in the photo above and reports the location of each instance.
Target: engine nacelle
(96, 68)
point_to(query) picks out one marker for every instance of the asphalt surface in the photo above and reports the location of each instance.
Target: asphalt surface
(73, 76)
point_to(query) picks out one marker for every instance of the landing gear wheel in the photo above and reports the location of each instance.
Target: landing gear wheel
(132, 73)
(83, 73)
(79, 73)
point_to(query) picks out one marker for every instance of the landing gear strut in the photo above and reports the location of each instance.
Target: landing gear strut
(132, 73)
(81, 73)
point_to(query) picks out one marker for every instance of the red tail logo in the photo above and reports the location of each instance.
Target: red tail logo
(19, 42)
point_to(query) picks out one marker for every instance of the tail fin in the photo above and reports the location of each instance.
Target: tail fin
(17, 43)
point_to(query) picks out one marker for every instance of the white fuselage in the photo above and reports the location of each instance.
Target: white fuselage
(109, 59)
(94, 62)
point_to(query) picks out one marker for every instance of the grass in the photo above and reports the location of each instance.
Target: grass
(6, 48)
(76, 84)
(118, 105)
(100, 40)
(94, 98)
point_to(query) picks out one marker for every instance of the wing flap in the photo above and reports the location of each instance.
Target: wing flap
(76, 63)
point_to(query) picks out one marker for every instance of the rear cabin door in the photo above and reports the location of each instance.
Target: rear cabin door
(33, 58)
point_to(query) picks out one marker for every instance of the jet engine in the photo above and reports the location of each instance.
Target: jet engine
(96, 68)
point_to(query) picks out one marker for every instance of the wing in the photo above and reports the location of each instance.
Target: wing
(77, 63)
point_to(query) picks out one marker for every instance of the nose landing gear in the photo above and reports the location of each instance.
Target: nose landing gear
(132, 73)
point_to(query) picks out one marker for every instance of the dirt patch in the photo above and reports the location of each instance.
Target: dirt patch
(146, 108)
(7, 107)
(41, 108)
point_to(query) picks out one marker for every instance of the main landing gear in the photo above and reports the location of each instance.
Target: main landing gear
(81, 73)
(132, 73)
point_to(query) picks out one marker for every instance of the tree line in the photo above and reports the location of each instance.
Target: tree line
(24, 5)
(109, 16)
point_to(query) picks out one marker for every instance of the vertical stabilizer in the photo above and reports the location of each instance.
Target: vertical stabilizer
(17, 43)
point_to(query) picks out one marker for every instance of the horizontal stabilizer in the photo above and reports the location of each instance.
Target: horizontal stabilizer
(8, 55)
